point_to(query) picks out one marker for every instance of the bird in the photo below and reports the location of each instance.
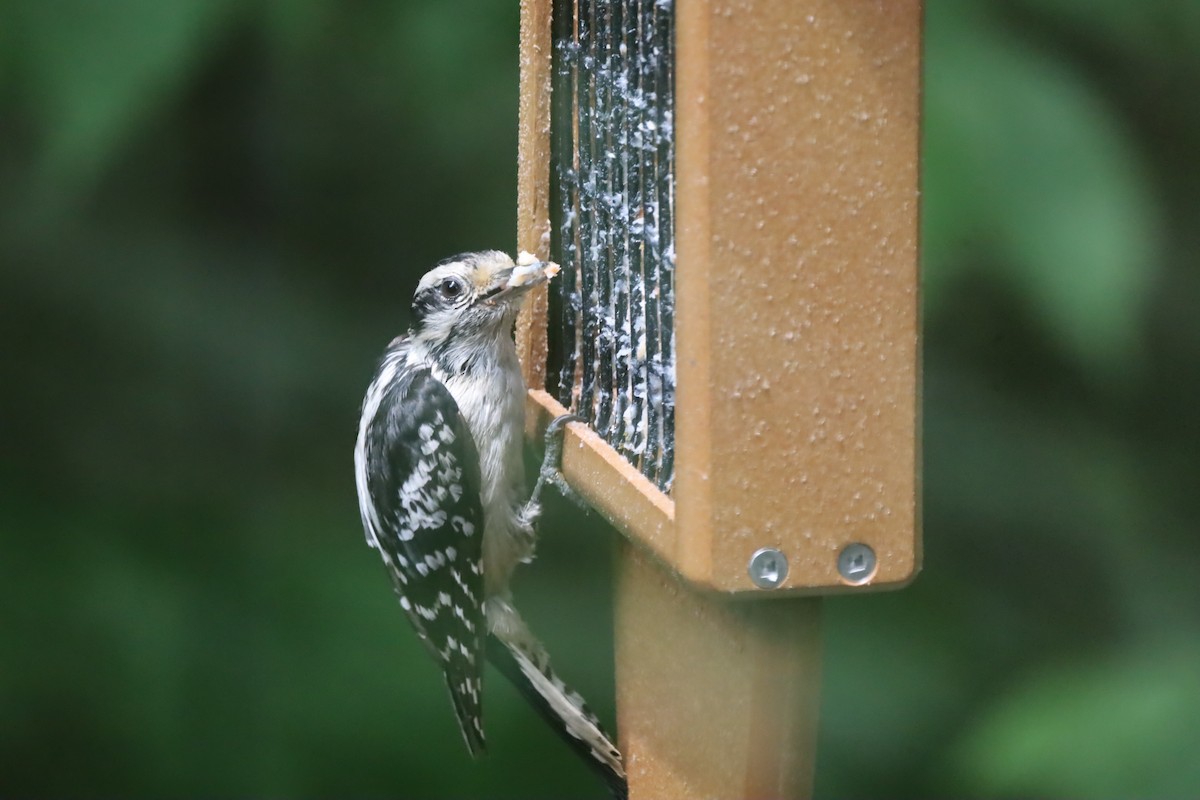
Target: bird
(440, 477)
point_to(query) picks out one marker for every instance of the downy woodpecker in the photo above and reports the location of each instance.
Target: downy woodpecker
(441, 490)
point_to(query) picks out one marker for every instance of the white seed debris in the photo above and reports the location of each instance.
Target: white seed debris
(531, 270)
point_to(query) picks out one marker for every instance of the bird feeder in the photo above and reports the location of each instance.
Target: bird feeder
(732, 189)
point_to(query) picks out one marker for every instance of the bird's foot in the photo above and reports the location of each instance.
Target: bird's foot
(551, 469)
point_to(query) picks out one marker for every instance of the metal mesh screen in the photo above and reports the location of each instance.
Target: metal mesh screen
(612, 335)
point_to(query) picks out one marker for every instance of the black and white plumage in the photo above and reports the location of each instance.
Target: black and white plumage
(441, 490)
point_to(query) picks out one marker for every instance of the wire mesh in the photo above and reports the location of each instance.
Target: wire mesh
(612, 335)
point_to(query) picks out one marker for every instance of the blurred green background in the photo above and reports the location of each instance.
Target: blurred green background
(211, 217)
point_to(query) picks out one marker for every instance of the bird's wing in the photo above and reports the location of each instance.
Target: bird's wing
(424, 514)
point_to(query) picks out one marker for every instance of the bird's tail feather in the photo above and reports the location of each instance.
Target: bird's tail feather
(466, 710)
(529, 670)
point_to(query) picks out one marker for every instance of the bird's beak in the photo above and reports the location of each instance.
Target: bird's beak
(511, 282)
(498, 288)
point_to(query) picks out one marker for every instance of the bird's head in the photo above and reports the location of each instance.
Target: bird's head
(474, 294)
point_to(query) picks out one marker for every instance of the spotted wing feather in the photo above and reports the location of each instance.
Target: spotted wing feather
(424, 515)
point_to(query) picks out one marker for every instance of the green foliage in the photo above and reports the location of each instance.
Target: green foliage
(211, 216)
(1122, 727)
(93, 70)
(1023, 157)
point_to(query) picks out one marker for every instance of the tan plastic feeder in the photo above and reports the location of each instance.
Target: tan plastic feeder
(797, 360)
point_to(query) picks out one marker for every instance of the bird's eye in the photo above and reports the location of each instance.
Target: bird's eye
(450, 287)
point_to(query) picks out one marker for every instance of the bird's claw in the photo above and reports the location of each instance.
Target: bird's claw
(551, 469)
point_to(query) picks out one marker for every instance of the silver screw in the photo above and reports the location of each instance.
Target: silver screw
(768, 568)
(856, 563)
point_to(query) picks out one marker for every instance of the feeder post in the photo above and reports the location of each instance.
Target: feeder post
(716, 698)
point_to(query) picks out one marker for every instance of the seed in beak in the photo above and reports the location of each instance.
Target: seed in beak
(530, 270)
